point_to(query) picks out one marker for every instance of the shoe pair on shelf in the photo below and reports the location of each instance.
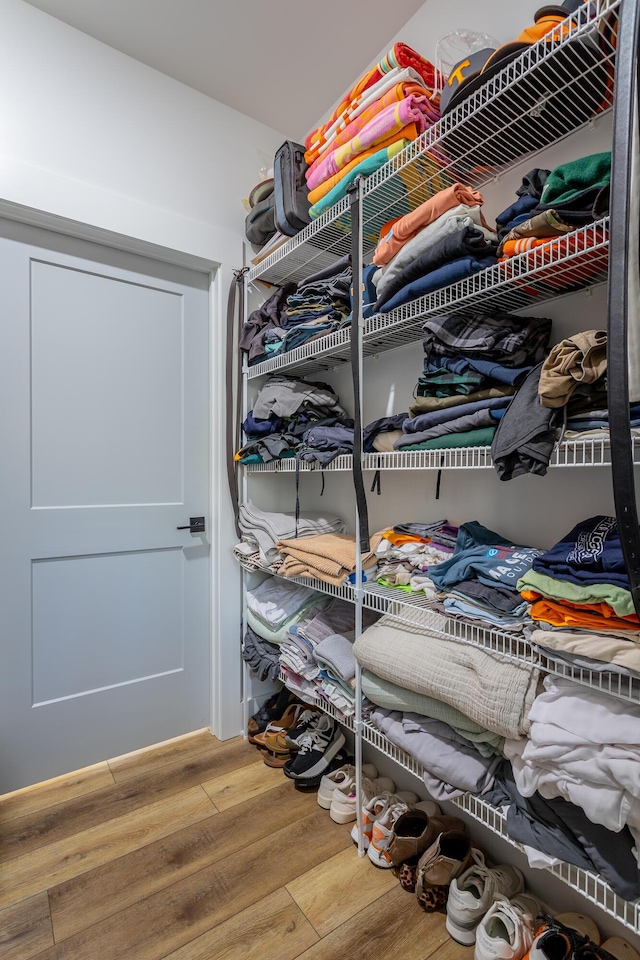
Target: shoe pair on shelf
(273, 711)
(427, 851)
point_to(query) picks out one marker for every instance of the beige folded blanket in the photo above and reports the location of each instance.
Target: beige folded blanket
(495, 692)
(329, 557)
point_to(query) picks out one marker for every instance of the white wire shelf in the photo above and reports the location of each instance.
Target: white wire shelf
(591, 452)
(551, 90)
(288, 465)
(575, 261)
(416, 610)
(593, 887)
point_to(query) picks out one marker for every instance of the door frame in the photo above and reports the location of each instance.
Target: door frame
(225, 680)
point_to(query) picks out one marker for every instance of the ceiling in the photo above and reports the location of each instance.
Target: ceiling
(284, 62)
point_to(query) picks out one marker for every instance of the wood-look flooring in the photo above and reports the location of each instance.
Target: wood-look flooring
(195, 850)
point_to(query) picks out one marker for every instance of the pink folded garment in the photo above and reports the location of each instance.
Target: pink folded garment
(413, 109)
(394, 235)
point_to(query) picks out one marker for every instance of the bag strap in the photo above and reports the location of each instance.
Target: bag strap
(623, 175)
(236, 296)
(354, 192)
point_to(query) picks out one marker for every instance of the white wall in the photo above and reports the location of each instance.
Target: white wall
(88, 134)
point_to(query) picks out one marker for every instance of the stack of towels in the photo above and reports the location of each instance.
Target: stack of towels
(329, 557)
(261, 531)
(388, 107)
(317, 655)
(287, 414)
(444, 240)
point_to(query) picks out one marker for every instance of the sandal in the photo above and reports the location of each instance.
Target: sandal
(269, 713)
(286, 721)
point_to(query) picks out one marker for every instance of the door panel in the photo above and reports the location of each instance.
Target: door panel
(123, 360)
(104, 431)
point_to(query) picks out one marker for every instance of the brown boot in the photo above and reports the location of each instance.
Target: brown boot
(445, 859)
(414, 831)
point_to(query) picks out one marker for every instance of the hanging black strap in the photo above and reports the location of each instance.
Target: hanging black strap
(236, 295)
(625, 108)
(356, 339)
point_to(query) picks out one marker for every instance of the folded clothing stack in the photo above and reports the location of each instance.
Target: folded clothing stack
(388, 107)
(442, 241)
(328, 557)
(582, 583)
(553, 203)
(479, 582)
(583, 746)
(317, 655)
(406, 551)
(471, 367)
(320, 304)
(286, 415)
(565, 387)
(261, 531)
(275, 605)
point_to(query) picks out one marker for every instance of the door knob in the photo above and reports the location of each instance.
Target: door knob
(195, 525)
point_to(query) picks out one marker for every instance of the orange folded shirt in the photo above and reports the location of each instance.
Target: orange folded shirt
(410, 132)
(412, 223)
(398, 539)
(593, 616)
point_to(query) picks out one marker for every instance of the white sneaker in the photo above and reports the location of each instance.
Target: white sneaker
(343, 803)
(472, 893)
(382, 827)
(337, 778)
(506, 931)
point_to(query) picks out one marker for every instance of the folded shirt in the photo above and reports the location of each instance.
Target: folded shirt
(415, 425)
(472, 421)
(481, 437)
(448, 273)
(451, 221)
(405, 228)
(466, 242)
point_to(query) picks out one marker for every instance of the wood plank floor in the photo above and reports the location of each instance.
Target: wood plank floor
(195, 850)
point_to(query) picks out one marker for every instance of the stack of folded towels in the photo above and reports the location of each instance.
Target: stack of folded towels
(317, 655)
(388, 107)
(444, 240)
(287, 414)
(261, 531)
(471, 369)
(407, 550)
(328, 557)
(580, 598)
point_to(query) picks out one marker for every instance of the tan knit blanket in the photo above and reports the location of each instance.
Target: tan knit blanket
(329, 557)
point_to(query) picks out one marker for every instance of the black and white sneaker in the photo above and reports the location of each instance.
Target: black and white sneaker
(316, 749)
(307, 721)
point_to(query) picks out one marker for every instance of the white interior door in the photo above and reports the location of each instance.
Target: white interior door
(104, 438)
